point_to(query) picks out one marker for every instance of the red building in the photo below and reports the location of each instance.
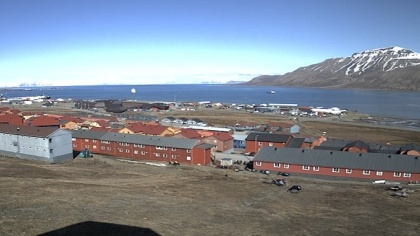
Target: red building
(376, 166)
(153, 148)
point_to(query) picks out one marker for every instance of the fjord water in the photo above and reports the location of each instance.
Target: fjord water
(395, 104)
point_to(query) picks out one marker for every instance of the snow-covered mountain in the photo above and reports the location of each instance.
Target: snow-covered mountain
(384, 68)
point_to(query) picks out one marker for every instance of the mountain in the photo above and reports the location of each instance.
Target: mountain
(386, 68)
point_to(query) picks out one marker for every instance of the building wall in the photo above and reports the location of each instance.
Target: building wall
(56, 148)
(144, 152)
(328, 171)
(252, 146)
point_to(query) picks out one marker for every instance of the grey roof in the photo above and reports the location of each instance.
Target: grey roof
(358, 144)
(205, 145)
(150, 140)
(26, 130)
(410, 147)
(332, 142)
(264, 137)
(295, 143)
(88, 134)
(338, 159)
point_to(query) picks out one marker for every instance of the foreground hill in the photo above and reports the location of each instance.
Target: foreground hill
(104, 196)
(385, 68)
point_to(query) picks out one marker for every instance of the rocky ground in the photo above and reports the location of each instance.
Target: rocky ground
(104, 196)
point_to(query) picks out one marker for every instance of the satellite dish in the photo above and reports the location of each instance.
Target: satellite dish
(133, 90)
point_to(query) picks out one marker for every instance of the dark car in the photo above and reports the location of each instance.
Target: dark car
(294, 189)
(283, 174)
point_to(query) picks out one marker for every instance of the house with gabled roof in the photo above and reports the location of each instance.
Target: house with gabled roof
(410, 149)
(356, 146)
(223, 141)
(255, 141)
(36, 143)
(68, 124)
(168, 119)
(188, 133)
(282, 127)
(180, 120)
(376, 166)
(44, 121)
(12, 119)
(195, 121)
(244, 126)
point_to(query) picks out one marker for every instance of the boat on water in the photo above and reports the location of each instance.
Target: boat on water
(271, 92)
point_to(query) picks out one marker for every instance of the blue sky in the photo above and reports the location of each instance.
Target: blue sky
(75, 42)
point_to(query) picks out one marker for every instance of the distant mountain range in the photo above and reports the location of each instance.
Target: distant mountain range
(386, 68)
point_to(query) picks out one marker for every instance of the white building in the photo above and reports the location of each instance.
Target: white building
(36, 143)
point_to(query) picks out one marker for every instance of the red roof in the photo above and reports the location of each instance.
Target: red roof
(12, 119)
(190, 133)
(43, 121)
(222, 136)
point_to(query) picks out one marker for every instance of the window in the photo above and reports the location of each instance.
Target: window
(259, 143)
(157, 154)
(136, 152)
(270, 144)
(51, 151)
(86, 140)
(143, 153)
(73, 139)
(277, 165)
(123, 144)
(95, 141)
(258, 163)
(173, 149)
(349, 171)
(160, 148)
(139, 145)
(188, 150)
(108, 148)
(286, 166)
(104, 141)
(173, 156)
(397, 174)
(86, 146)
(366, 172)
(102, 148)
(165, 155)
(120, 149)
(316, 168)
(379, 173)
(335, 170)
(188, 158)
(127, 150)
(305, 167)
(407, 175)
(94, 146)
(74, 145)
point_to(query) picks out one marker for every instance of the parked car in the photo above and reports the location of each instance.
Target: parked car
(295, 189)
(283, 174)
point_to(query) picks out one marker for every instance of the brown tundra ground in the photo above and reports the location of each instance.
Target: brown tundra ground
(104, 196)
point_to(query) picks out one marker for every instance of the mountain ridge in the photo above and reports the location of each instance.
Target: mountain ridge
(393, 68)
